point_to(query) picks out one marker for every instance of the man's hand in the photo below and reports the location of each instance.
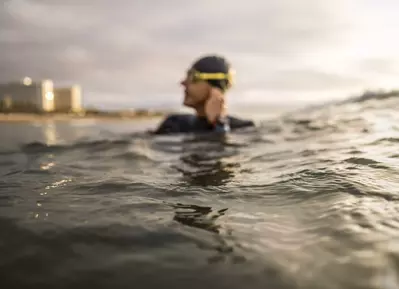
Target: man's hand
(215, 105)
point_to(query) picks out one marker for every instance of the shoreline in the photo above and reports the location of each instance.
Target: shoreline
(59, 117)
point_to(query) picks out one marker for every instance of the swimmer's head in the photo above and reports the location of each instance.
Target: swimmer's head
(205, 73)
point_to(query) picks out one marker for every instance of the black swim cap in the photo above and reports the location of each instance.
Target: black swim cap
(214, 64)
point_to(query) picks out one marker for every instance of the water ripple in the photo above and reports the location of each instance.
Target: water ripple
(308, 200)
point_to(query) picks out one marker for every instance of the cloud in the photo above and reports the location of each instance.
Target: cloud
(55, 15)
(139, 50)
(387, 66)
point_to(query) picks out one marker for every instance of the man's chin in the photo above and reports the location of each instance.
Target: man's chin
(188, 104)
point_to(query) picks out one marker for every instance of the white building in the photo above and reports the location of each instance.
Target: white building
(68, 99)
(27, 96)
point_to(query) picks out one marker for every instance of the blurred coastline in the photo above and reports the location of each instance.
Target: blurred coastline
(84, 115)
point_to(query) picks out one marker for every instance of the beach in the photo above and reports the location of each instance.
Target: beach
(33, 117)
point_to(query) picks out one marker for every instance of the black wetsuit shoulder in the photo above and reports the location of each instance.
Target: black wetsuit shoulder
(237, 123)
(176, 123)
(188, 123)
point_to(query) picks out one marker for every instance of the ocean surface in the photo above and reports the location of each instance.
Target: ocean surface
(308, 199)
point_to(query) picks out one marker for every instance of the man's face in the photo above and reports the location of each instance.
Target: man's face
(196, 92)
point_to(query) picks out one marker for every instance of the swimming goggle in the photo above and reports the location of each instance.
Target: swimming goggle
(194, 76)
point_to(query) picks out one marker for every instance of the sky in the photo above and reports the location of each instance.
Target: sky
(128, 54)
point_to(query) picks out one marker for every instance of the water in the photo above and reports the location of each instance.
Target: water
(308, 200)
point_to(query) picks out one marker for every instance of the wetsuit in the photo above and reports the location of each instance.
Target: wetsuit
(188, 123)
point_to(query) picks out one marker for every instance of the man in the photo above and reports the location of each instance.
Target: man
(205, 86)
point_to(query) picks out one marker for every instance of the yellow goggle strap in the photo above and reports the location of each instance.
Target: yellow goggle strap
(214, 76)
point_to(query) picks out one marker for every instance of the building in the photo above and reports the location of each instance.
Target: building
(27, 96)
(68, 99)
